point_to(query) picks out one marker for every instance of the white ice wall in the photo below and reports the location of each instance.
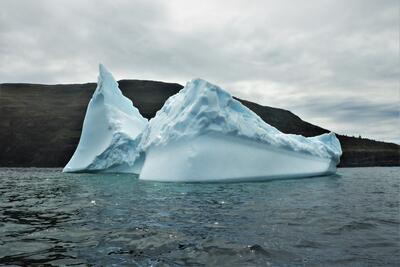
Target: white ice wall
(110, 130)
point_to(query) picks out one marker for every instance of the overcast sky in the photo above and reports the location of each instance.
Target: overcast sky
(333, 63)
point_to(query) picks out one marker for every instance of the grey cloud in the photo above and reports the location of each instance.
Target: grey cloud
(360, 114)
(280, 53)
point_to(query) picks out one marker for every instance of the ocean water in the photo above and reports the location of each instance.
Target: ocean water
(51, 218)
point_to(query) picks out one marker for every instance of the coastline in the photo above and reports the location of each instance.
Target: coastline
(41, 124)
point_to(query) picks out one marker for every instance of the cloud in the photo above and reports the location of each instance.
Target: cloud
(327, 61)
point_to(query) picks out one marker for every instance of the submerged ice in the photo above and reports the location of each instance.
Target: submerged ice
(110, 132)
(200, 134)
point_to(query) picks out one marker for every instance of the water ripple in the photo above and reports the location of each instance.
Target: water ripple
(50, 218)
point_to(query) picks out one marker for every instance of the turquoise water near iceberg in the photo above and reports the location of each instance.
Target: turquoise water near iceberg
(52, 218)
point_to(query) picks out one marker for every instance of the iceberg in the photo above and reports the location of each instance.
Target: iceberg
(110, 133)
(202, 134)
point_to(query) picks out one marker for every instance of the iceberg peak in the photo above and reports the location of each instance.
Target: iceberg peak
(106, 83)
(110, 131)
(202, 107)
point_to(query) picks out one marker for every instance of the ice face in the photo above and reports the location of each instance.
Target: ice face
(218, 158)
(110, 132)
(203, 134)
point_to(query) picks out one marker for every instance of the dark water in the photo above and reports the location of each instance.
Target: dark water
(350, 219)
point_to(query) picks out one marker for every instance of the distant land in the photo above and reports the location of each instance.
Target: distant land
(40, 125)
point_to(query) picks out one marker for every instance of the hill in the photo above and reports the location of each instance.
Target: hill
(41, 124)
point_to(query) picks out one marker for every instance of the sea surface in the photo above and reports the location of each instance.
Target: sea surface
(48, 218)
